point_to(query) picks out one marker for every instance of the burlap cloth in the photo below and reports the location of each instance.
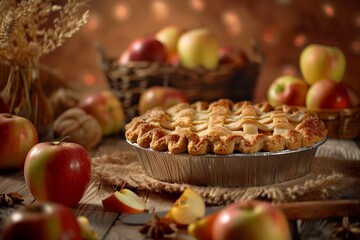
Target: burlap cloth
(329, 178)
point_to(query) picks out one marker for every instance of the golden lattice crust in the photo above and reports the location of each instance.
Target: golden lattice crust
(225, 127)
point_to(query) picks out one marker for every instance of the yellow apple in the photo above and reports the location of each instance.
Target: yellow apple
(169, 36)
(198, 48)
(319, 62)
(124, 201)
(188, 208)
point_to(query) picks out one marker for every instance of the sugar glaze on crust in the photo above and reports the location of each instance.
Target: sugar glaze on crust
(224, 127)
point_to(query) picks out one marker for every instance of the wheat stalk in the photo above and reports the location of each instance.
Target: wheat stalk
(29, 29)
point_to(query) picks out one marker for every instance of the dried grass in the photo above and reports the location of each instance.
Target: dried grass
(30, 29)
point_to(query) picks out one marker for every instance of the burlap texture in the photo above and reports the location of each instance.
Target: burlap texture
(328, 179)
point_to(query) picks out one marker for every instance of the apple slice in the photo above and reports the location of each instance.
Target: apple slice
(188, 208)
(124, 201)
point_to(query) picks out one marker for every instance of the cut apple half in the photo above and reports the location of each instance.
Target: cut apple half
(124, 201)
(188, 208)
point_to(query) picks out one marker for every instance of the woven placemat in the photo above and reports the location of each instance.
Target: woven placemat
(328, 179)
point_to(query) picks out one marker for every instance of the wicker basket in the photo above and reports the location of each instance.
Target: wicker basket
(228, 80)
(344, 124)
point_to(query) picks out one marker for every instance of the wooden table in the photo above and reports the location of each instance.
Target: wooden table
(107, 224)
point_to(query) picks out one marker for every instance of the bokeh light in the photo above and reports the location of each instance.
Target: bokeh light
(329, 10)
(198, 5)
(89, 79)
(357, 20)
(93, 22)
(283, 2)
(289, 69)
(232, 23)
(270, 35)
(121, 11)
(160, 9)
(300, 40)
(355, 46)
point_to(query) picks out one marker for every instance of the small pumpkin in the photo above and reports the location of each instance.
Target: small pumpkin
(80, 126)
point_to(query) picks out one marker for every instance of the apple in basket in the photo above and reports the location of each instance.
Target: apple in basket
(169, 36)
(288, 90)
(322, 62)
(327, 94)
(229, 55)
(198, 48)
(18, 136)
(42, 221)
(106, 108)
(147, 49)
(159, 96)
(251, 219)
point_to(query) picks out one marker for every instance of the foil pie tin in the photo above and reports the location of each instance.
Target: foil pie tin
(232, 170)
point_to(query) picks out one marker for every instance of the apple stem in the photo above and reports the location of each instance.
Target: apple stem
(63, 139)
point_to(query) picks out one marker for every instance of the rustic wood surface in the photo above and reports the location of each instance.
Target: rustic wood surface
(107, 224)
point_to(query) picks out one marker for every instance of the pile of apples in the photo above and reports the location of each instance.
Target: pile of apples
(194, 48)
(320, 87)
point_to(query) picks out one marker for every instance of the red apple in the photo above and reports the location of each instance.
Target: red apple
(158, 96)
(327, 94)
(42, 221)
(198, 48)
(18, 136)
(106, 108)
(3, 107)
(253, 219)
(322, 62)
(124, 201)
(58, 172)
(147, 49)
(289, 90)
(202, 228)
(169, 36)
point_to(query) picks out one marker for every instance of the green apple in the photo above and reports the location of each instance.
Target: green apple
(198, 48)
(322, 62)
(289, 90)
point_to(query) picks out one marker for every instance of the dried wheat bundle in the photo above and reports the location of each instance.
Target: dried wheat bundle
(30, 29)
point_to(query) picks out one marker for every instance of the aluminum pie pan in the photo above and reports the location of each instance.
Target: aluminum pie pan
(231, 170)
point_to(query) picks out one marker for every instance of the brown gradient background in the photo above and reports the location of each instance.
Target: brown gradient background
(281, 27)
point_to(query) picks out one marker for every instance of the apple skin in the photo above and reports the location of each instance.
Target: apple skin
(289, 90)
(251, 219)
(106, 108)
(18, 136)
(202, 228)
(198, 48)
(124, 201)
(169, 36)
(322, 62)
(353, 96)
(42, 221)
(327, 94)
(147, 49)
(58, 172)
(158, 96)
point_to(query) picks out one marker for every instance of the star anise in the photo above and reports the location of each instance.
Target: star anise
(348, 230)
(10, 199)
(158, 227)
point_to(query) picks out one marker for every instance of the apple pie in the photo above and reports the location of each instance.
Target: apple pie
(225, 127)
